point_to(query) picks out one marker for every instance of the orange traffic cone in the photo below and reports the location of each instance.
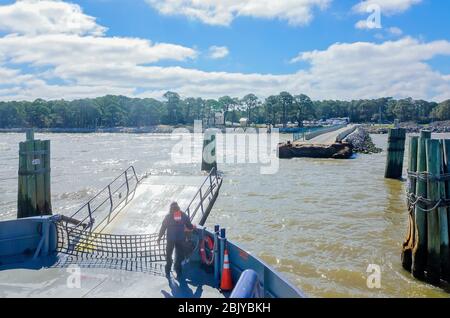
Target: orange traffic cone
(226, 283)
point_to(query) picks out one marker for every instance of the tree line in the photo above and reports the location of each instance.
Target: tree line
(120, 111)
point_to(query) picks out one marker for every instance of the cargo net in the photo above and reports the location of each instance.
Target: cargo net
(84, 244)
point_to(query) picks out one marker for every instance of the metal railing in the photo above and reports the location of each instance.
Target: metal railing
(304, 132)
(323, 130)
(104, 203)
(205, 196)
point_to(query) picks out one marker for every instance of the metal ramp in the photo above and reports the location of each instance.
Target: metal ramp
(122, 220)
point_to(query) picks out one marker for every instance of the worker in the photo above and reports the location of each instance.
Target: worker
(175, 223)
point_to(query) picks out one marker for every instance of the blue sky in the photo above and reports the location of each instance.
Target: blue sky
(265, 45)
(255, 48)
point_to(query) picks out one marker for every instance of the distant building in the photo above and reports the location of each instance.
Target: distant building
(243, 121)
(219, 119)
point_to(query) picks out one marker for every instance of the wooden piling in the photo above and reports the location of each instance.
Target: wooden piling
(429, 197)
(408, 245)
(33, 195)
(434, 164)
(30, 134)
(38, 164)
(47, 180)
(209, 160)
(24, 202)
(445, 215)
(395, 153)
(420, 217)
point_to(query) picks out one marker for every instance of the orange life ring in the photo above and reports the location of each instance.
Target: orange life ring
(207, 243)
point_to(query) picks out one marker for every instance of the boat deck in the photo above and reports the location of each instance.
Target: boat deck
(54, 277)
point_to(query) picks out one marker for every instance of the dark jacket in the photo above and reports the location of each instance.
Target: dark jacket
(175, 224)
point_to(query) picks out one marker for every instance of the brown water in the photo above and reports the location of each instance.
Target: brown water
(320, 222)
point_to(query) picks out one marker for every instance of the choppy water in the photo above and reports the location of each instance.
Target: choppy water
(320, 222)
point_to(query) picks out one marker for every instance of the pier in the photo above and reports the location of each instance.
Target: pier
(325, 143)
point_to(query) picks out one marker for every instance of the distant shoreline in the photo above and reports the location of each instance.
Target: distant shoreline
(435, 127)
(411, 128)
(122, 130)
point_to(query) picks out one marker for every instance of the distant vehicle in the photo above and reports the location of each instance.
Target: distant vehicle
(243, 122)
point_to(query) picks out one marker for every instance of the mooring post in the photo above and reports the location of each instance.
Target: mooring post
(420, 238)
(434, 165)
(33, 195)
(30, 134)
(47, 180)
(444, 216)
(408, 245)
(395, 153)
(209, 160)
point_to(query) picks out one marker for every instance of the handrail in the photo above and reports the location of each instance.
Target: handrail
(93, 211)
(88, 218)
(323, 130)
(203, 195)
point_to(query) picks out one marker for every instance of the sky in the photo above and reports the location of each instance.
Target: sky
(327, 49)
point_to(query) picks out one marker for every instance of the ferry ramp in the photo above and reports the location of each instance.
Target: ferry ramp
(129, 205)
(150, 204)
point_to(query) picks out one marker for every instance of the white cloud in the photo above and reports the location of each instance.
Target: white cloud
(343, 71)
(369, 70)
(218, 52)
(60, 49)
(223, 12)
(72, 65)
(388, 7)
(44, 17)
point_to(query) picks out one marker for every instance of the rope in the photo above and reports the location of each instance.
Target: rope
(426, 176)
(426, 204)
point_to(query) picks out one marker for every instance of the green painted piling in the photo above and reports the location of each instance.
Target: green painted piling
(395, 153)
(33, 195)
(47, 180)
(434, 166)
(445, 216)
(420, 217)
(38, 164)
(408, 244)
(429, 228)
(24, 202)
(209, 159)
(30, 134)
